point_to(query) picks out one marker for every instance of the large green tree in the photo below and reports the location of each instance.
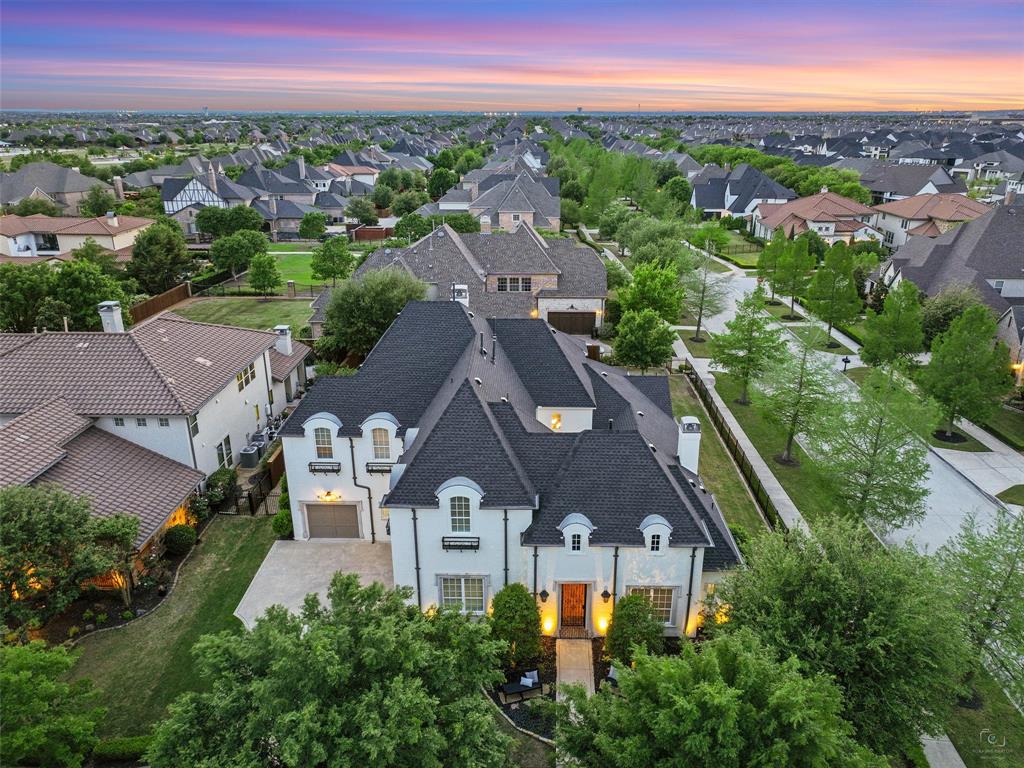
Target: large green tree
(654, 286)
(361, 310)
(939, 311)
(832, 294)
(984, 567)
(705, 291)
(441, 180)
(97, 201)
(881, 622)
(313, 225)
(871, 450)
(749, 345)
(30, 206)
(22, 289)
(264, 274)
(332, 259)
(968, 371)
(796, 390)
(793, 273)
(643, 340)
(365, 680)
(731, 705)
(47, 720)
(236, 251)
(362, 210)
(160, 257)
(895, 334)
(79, 286)
(47, 550)
(768, 261)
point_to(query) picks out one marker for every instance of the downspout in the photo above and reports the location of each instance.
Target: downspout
(357, 484)
(534, 573)
(191, 444)
(270, 385)
(506, 546)
(615, 577)
(416, 554)
(689, 591)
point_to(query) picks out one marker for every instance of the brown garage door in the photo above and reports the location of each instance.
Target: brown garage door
(332, 521)
(573, 322)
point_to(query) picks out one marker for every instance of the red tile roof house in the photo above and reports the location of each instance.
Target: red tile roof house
(28, 239)
(195, 393)
(833, 217)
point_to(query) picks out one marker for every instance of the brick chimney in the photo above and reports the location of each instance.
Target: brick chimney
(688, 445)
(112, 220)
(211, 178)
(302, 166)
(110, 316)
(283, 343)
(118, 188)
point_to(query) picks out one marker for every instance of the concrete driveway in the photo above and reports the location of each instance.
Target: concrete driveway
(293, 569)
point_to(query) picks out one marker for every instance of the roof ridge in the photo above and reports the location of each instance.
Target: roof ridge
(160, 374)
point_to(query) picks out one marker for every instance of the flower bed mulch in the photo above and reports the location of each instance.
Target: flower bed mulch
(530, 716)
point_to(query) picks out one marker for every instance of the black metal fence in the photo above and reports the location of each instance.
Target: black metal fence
(257, 497)
(757, 489)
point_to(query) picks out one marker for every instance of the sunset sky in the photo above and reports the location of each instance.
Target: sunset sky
(526, 55)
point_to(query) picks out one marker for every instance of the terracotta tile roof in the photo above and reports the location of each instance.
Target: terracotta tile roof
(824, 206)
(12, 225)
(281, 365)
(32, 443)
(945, 207)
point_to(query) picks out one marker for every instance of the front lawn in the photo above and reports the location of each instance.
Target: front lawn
(696, 348)
(746, 255)
(778, 311)
(1008, 426)
(991, 736)
(140, 668)
(1012, 495)
(716, 467)
(815, 336)
(250, 312)
(289, 247)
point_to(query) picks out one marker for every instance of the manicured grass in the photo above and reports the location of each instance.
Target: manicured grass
(288, 247)
(805, 486)
(779, 310)
(716, 467)
(857, 375)
(250, 312)
(743, 259)
(526, 752)
(717, 267)
(296, 266)
(979, 734)
(1008, 426)
(696, 348)
(1013, 495)
(815, 336)
(969, 444)
(140, 668)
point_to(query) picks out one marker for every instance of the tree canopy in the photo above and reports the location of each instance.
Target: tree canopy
(363, 680)
(832, 294)
(332, 259)
(313, 225)
(264, 274)
(361, 310)
(643, 340)
(236, 251)
(160, 257)
(895, 334)
(654, 286)
(750, 344)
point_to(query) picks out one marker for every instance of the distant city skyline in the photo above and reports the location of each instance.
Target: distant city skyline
(532, 56)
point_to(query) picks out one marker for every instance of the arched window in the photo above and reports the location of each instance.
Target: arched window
(381, 443)
(459, 509)
(324, 445)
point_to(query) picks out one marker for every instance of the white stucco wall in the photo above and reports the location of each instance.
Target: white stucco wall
(170, 441)
(573, 419)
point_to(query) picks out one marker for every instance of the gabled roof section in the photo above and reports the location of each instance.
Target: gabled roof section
(464, 442)
(33, 442)
(541, 364)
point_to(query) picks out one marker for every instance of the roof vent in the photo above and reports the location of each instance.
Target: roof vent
(82, 345)
(387, 250)
(440, 233)
(640, 414)
(204, 361)
(478, 380)
(504, 399)
(693, 484)
(605, 374)
(651, 446)
(471, 314)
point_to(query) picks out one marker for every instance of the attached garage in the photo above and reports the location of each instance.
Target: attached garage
(582, 323)
(333, 521)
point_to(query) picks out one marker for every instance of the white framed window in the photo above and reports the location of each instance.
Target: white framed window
(525, 284)
(225, 457)
(655, 542)
(662, 600)
(513, 284)
(118, 421)
(140, 421)
(193, 425)
(502, 284)
(458, 507)
(164, 421)
(381, 443)
(998, 284)
(324, 444)
(576, 542)
(245, 378)
(465, 592)
(516, 217)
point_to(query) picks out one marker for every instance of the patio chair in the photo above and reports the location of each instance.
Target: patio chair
(528, 686)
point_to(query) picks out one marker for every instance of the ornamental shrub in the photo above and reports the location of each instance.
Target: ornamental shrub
(179, 539)
(515, 619)
(282, 524)
(221, 485)
(121, 748)
(633, 624)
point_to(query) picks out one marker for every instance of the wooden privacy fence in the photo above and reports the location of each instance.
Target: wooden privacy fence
(160, 302)
(757, 490)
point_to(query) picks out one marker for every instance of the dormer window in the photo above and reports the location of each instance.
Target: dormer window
(576, 540)
(458, 508)
(324, 444)
(381, 443)
(655, 542)
(657, 533)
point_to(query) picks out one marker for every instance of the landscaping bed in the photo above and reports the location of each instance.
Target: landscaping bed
(525, 714)
(779, 311)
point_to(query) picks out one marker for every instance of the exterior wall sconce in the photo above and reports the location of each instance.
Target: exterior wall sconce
(328, 496)
(543, 595)
(606, 595)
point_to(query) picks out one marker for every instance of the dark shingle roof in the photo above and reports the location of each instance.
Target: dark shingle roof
(543, 369)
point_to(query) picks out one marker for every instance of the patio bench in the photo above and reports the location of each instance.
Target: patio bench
(528, 687)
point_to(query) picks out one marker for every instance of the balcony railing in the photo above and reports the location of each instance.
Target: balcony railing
(379, 467)
(325, 467)
(460, 542)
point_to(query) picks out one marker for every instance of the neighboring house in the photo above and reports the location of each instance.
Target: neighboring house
(991, 166)
(491, 452)
(283, 217)
(522, 200)
(832, 217)
(1011, 332)
(297, 170)
(193, 392)
(28, 239)
(209, 189)
(929, 215)
(53, 443)
(738, 193)
(509, 274)
(47, 181)
(361, 173)
(272, 185)
(891, 181)
(986, 253)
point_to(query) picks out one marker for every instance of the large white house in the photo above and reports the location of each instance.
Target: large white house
(492, 451)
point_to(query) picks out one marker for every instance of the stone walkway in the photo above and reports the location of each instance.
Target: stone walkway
(575, 664)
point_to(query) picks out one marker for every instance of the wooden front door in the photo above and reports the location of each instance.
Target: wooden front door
(574, 605)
